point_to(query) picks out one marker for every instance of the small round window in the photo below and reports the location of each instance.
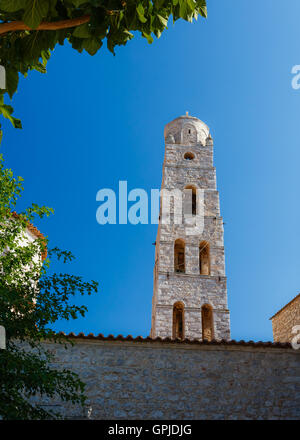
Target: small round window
(189, 156)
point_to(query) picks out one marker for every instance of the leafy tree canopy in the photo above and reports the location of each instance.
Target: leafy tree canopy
(32, 299)
(30, 30)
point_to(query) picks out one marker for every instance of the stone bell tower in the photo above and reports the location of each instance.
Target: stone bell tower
(190, 293)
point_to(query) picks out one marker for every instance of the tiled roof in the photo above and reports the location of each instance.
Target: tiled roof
(130, 338)
(294, 299)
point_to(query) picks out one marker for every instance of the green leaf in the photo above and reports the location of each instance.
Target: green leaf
(35, 11)
(201, 5)
(120, 18)
(39, 67)
(45, 54)
(12, 79)
(183, 9)
(92, 45)
(82, 31)
(129, 34)
(12, 5)
(163, 20)
(149, 37)
(192, 5)
(6, 111)
(77, 3)
(140, 11)
(158, 4)
(157, 33)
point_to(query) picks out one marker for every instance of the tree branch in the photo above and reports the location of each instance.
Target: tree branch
(44, 26)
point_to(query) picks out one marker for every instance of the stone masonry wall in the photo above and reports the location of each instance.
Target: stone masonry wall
(192, 292)
(285, 320)
(155, 380)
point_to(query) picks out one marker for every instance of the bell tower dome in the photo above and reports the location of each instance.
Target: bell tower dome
(186, 130)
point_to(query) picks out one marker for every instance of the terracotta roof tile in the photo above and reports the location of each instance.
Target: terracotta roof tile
(101, 337)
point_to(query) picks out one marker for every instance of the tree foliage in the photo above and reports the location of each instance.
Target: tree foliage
(30, 30)
(31, 300)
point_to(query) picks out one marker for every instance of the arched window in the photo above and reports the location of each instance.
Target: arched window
(204, 258)
(207, 322)
(189, 156)
(179, 256)
(178, 320)
(192, 192)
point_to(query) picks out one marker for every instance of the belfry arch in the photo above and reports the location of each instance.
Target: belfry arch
(204, 258)
(207, 322)
(179, 256)
(190, 191)
(178, 320)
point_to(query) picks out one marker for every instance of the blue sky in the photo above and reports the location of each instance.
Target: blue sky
(92, 121)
